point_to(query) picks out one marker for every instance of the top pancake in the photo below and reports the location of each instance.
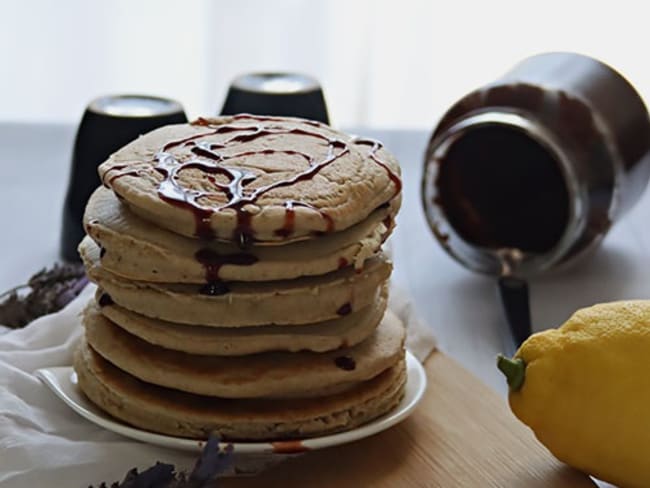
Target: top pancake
(249, 178)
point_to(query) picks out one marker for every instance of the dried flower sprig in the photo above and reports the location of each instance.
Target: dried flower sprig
(47, 291)
(212, 462)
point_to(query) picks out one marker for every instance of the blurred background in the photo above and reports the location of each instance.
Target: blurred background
(382, 63)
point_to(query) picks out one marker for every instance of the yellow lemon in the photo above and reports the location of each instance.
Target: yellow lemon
(584, 390)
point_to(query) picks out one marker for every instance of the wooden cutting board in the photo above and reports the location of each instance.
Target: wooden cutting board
(461, 435)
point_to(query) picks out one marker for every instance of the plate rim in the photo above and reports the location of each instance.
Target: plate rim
(60, 379)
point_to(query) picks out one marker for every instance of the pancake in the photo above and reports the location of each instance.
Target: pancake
(221, 341)
(252, 179)
(138, 250)
(186, 415)
(289, 302)
(241, 285)
(272, 374)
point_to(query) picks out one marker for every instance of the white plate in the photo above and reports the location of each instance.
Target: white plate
(63, 382)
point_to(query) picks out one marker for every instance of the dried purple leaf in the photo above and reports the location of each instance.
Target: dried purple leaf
(158, 476)
(212, 462)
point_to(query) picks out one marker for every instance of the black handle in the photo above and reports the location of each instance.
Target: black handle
(516, 307)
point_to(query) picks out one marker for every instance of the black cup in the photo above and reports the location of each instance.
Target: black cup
(290, 94)
(108, 123)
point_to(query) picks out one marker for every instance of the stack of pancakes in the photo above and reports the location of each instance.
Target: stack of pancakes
(241, 285)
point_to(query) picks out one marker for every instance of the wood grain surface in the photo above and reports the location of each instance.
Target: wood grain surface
(461, 435)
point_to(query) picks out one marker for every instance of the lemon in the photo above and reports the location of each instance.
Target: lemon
(584, 390)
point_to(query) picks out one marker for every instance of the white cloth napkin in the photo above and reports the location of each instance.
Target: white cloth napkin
(44, 443)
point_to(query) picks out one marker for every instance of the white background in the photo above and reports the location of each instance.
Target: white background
(382, 63)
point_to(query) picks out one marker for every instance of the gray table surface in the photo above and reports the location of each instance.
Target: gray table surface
(460, 306)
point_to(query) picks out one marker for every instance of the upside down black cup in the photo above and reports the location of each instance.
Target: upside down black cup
(288, 94)
(108, 123)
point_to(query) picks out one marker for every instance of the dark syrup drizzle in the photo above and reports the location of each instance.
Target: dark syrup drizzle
(345, 363)
(289, 220)
(119, 174)
(215, 288)
(344, 309)
(212, 261)
(235, 189)
(105, 299)
(170, 191)
(372, 154)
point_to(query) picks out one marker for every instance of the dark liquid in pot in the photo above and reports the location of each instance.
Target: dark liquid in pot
(500, 188)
